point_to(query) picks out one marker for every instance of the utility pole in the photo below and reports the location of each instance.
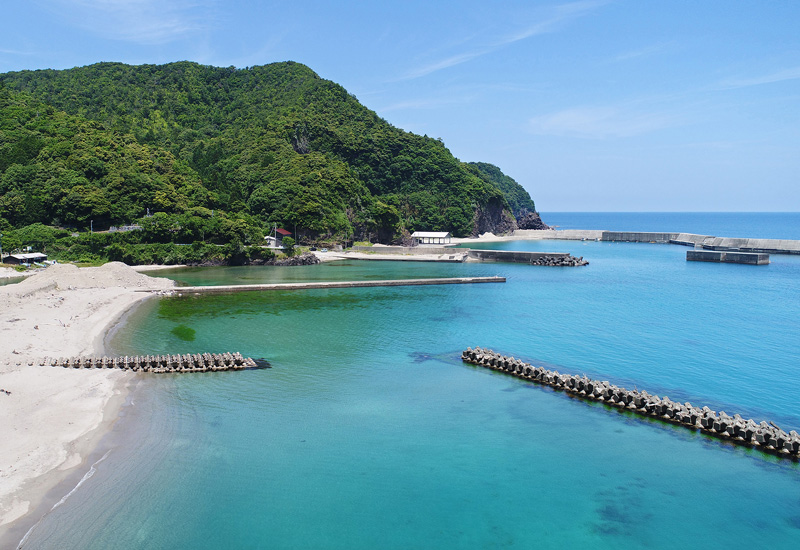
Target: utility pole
(1, 248)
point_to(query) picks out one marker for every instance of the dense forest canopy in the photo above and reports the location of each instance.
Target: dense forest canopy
(274, 144)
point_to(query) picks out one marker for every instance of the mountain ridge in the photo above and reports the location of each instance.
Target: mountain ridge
(281, 144)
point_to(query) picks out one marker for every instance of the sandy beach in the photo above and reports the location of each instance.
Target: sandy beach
(53, 417)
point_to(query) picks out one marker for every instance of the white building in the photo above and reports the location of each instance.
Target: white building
(431, 237)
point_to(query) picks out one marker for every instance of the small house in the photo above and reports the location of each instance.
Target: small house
(25, 259)
(281, 233)
(275, 239)
(431, 237)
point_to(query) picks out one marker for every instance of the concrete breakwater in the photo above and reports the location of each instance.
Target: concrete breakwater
(727, 257)
(329, 285)
(765, 436)
(555, 259)
(414, 250)
(197, 362)
(707, 242)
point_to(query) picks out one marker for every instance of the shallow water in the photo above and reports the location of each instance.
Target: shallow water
(368, 431)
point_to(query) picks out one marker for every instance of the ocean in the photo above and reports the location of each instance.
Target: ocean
(369, 432)
(772, 225)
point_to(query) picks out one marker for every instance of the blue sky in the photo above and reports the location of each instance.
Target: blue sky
(618, 105)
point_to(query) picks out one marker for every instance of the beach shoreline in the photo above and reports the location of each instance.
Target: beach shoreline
(55, 418)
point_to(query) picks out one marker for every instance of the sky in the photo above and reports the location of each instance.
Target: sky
(595, 105)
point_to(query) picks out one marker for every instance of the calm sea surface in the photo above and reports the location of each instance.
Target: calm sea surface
(772, 225)
(369, 432)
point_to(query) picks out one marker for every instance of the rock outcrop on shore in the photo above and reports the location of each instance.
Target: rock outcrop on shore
(492, 218)
(306, 258)
(531, 220)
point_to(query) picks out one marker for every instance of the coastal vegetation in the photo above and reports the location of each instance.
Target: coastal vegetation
(198, 155)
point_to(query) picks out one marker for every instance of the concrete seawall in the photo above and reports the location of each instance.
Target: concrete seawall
(328, 285)
(749, 258)
(707, 242)
(766, 436)
(404, 249)
(526, 257)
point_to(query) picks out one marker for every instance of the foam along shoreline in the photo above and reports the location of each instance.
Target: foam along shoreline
(53, 418)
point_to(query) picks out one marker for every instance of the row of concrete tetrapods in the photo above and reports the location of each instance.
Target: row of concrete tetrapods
(764, 435)
(198, 362)
(560, 261)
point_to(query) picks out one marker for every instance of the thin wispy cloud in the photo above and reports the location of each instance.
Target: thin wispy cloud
(14, 52)
(600, 122)
(560, 15)
(445, 63)
(644, 52)
(145, 22)
(792, 73)
(415, 104)
(557, 17)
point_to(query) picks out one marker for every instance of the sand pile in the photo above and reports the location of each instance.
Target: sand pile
(68, 277)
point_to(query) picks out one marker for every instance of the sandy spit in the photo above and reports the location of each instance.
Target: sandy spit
(53, 417)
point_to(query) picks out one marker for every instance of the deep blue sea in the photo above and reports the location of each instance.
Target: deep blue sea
(756, 225)
(369, 432)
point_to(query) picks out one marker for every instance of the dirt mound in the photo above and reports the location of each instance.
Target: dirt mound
(68, 276)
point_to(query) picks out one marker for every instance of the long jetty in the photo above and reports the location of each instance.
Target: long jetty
(705, 242)
(197, 362)
(766, 436)
(330, 284)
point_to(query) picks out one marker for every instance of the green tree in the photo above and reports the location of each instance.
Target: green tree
(288, 246)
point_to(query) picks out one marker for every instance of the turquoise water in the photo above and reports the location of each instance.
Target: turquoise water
(369, 432)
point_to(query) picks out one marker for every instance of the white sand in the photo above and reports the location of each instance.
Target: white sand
(55, 416)
(11, 273)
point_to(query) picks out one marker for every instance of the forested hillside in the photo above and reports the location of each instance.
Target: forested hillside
(275, 143)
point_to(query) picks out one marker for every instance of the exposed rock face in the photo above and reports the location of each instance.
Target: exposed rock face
(307, 258)
(492, 218)
(531, 220)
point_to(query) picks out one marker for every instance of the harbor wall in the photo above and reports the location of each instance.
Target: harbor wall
(708, 242)
(327, 285)
(727, 257)
(561, 234)
(553, 259)
(404, 249)
(637, 237)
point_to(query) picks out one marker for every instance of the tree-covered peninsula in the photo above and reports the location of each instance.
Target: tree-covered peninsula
(110, 144)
